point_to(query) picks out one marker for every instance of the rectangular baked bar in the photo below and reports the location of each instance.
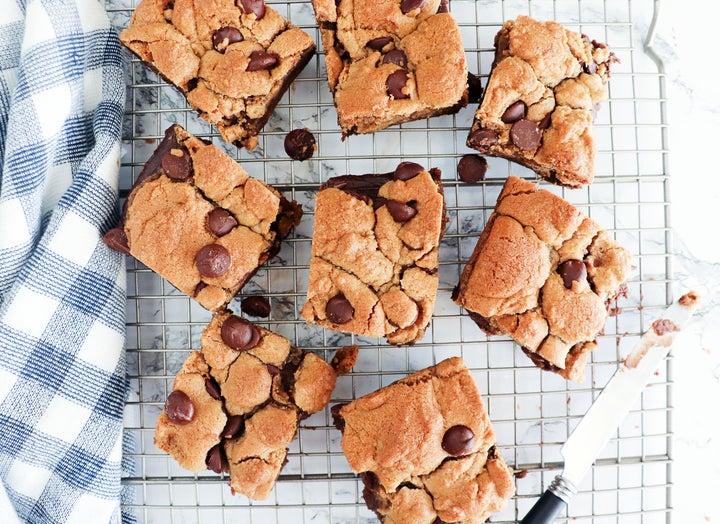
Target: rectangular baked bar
(374, 260)
(233, 61)
(540, 101)
(543, 273)
(195, 217)
(391, 61)
(425, 449)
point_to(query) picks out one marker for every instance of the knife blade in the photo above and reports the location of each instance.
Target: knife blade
(610, 408)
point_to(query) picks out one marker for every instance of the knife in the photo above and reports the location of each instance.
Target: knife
(610, 408)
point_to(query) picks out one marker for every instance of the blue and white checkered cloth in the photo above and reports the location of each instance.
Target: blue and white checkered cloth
(62, 291)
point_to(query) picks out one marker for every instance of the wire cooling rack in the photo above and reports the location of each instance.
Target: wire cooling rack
(532, 412)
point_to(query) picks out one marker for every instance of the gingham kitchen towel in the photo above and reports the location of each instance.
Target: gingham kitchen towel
(62, 291)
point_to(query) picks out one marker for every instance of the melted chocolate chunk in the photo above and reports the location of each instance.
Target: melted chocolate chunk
(254, 6)
(395, 84)
(514, 112)
(262, 60)
(225, 36)
(116, 239)
(395, 56)
(458, 440)
(474, 88)
(482, 137)
(179, 408)
(407, 170)
(378, 43)
(221, 222)
(239, 334)
(407, 6)
(216, 460)
(213, 260)
(177, 163)
(400, 211)
(234, 427)
(572, 270)
(212, 388)
(525, 134)
(546, 121)
(339, 310)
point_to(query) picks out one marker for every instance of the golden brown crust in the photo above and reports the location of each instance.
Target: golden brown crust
(558, 74)
(513, 280)
(357, 74)
(176, 40)
(413, 478)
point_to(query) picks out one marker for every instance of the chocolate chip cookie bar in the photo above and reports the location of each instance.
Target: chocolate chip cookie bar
(543, 273)
(374, 261)
(233, 61)
(439, 463)
(195, 217)
(539, 104)
(235, 406)
(391, 61)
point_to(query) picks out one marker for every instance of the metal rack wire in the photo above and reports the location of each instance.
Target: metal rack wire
(532, 412)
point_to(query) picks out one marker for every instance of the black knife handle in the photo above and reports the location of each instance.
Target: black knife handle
(551, 503)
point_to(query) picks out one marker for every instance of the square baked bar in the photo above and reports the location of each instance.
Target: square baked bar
(235, 406)
(391, 61)
(543, 273)
(539, 104)
(425, 449)
(195, 217)
(374, 261)
(232, 60)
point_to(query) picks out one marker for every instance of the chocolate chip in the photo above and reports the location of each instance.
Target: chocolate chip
(474, 88)
(221, 222)
(572, 270)
(225, 36)
(300, 144)
(256, 306)
(201, 285)
(233, 427)
(407, 170)
(482, 137)
(262, 60)
(545, 122)
(239, 334)
(339, 310)
(177, 164)
(410, 5)
(472, 168)
(514, 112)
(395, 56)
(590, 68)
(338, 421)
(254, 6)
(212, 388)
(116, 239)
(215, 460)
(396, 81)
(525, 134)
(458, 440)
(444, 6)
(179, 408)
(378, 43)
(213, 260)
(400, 211)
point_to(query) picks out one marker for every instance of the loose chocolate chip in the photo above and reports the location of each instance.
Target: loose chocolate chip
(590, 68)
(378, 43)
(256, 306)
(407, 170)
(474, 88)
(572, 270)
(213, 260)
(215, 461)
(225, 36)
(221, 222)
(339, 310)
(395, 56)
(212, 388)
(233, 427)
(116, 239)
(262, 60)
(482, 137)
(396, 81)
(400, 211)
(514, 112)
(300, 144)
(410, 5)
(525, 134)
(179, 408)
(254, 6)
(177, 164)
(239, 334)
(458, 440)
(545, 122)
(471, 168)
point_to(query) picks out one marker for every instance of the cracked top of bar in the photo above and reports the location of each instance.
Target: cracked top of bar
(374, 259)
(543, 273)
(232, 60)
